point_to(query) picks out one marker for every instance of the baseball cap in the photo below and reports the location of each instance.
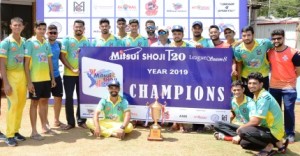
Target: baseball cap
(197, 23)
(114, 83)
(163, 28)
(177, 28)
(230, 27)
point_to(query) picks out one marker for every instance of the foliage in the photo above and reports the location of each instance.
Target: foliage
(279, 8)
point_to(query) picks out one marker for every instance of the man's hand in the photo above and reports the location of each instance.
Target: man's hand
(236, 139)
(234, 73)
(97, 132)
(53, 83)
(30, 87)
(198, 45)
(120, 133)
(75, 70)
(7, 89)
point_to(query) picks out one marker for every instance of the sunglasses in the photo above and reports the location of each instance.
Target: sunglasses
(151, 27)
(162, 33)
(53, 33)
(276, 38)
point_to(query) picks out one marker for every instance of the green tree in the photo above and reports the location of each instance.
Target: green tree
(279, 8)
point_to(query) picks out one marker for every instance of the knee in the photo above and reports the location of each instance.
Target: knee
(128, 128)
(242, 132)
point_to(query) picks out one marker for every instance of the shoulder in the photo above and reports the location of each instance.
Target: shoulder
(265, 96)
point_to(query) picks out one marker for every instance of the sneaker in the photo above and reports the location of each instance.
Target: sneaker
(219, 136)
(291, 139)
(2, 136)
(11, 142)
(19, 137)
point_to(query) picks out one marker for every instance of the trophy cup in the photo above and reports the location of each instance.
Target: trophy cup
(155, 129)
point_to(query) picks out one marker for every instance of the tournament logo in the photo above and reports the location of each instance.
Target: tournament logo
(151, 8)
(127, 7)
(19, 58)
(79, 7)
(58, 25)
(285, 58)
(13, 49)
(3, 51)
(258, 52)
(254, 63)
(42, 57)
(36, 46)
(55, 7)
(222, 26)
(177, 6)
(100, 78)
(75, 54)
(200, 7)
(214, 117)
(227, 7)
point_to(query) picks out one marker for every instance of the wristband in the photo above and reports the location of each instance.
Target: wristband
(122, 127)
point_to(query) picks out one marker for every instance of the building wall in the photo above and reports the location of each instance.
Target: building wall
(264, 31)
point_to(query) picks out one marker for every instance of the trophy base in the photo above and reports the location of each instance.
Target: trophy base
(154, 138)
(155, 135)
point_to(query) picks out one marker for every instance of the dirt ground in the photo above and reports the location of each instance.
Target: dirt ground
(78, 141)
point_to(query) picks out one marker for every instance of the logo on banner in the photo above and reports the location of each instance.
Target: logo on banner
(224, 117)
(151, 8)
(201, 7)
(100, 78)
(227, 7)
(55, 7)
(127, 7)
(79, 7)
(58, 25)
(222, 26)
(214, 117)
(102, 7)
(177, 7)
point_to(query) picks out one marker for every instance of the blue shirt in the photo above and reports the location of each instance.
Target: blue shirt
(55, 58)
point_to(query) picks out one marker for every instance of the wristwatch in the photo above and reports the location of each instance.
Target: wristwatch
(122, 127)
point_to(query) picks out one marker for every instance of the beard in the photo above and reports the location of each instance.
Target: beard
(78, 33)
(197, 35)
(50, 39)
(150, 33)
(104, 32)
(278, 45)
(114, 94)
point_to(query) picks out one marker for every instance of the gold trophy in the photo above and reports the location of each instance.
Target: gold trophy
(155, 129)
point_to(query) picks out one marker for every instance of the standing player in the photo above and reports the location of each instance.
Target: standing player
(177, 32)
(198, 40)
(106, 39)
(12, 51)
(150, 29)
(229, 34)
(121, 25)
(70, 52)
(285, 68)
(251, 57)
(57, 91)
(134, 39)
(163, 38)
(38, 68)
(214, 34)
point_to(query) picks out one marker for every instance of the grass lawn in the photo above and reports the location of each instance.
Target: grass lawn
(79, 141)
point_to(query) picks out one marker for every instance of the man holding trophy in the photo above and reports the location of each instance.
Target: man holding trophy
(116, 115)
